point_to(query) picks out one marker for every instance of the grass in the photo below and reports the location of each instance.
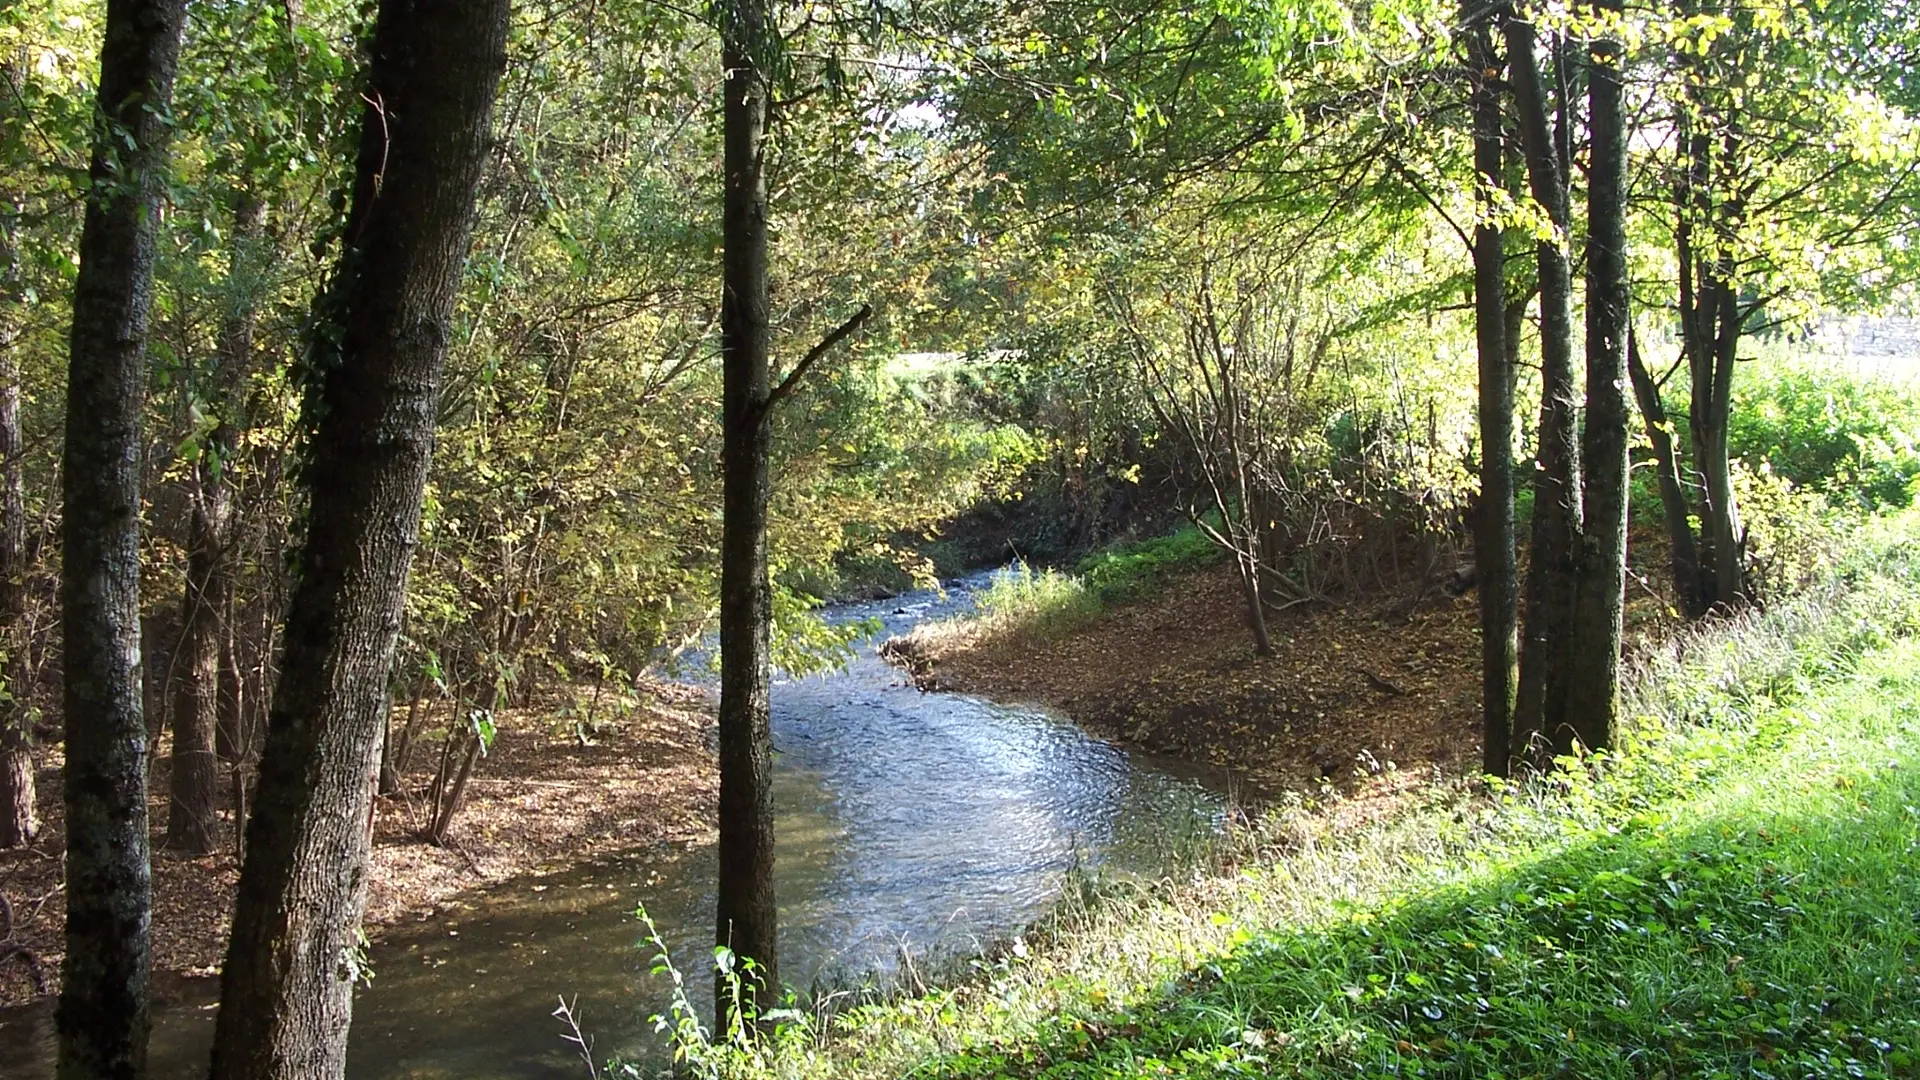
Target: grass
(1049, 602)
(1733, 894)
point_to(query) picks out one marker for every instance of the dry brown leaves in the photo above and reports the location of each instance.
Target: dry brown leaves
(541, 800)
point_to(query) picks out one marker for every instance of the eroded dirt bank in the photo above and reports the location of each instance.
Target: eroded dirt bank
(1352, 693)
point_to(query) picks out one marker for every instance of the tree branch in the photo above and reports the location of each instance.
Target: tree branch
(840, 333)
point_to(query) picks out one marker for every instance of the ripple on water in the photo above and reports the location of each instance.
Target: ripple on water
(926, 822)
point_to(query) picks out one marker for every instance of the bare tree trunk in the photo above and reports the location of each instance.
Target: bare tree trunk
(747, 918)
(192, 821)
(1495, 562)
(103, 1015)
(1540, 699)
(372, 398)
(1684, 555)
(1593, 670)
(19, 809)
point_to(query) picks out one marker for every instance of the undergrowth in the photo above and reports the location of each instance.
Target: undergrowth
(1732, 893)
(1048, 602)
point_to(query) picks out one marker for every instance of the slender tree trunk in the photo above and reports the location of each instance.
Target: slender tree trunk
(1684, 556)
(1724, 539)
(103, 1013)
(1593, 692)
(192, 822)
(1541, 696)
(747, 918)
(19, 809)
(372, 397)
(1495, 563)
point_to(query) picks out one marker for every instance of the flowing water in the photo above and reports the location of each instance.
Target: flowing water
(910, 826)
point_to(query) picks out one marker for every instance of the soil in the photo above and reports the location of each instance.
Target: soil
(544, 798)
(1359, 697)
(1351, 693)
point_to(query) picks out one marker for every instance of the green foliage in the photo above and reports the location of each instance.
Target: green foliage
(1133, 569)
(1853, 437)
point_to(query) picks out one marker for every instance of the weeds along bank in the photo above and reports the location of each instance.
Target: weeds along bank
(1729, 894)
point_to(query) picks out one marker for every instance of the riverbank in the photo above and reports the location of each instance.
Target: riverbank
(543, 799)
(1729, 894)
(1351, 693)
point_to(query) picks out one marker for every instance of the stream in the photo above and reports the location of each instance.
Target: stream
(911, 827)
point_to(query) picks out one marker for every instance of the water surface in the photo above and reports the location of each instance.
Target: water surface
(910, 826)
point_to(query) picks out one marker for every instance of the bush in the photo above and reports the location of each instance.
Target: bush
(1819, 425)
(1129, 570)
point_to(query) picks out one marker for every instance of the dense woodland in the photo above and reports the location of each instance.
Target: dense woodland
(371, 370)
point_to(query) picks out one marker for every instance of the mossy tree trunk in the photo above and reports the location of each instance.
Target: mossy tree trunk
(375, 368)
(103, 1014)
(1592, 710)
(1557, 514)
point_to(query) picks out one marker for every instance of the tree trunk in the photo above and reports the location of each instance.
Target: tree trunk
(192, 822)
(103, 1013)
(1593, 692)
(747, 918)
(1684, 556)
(1495, 563)
(373, 391)
(1541, 695)
(19, 809)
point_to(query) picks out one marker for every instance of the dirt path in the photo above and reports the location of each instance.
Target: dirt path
(542, 800)
(1352, 693)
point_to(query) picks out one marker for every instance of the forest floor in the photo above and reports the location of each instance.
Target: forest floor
(543, 799)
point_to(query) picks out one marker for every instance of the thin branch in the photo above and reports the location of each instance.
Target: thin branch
(840, 333)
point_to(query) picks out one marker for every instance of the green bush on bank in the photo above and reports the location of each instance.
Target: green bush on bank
(1731, 894)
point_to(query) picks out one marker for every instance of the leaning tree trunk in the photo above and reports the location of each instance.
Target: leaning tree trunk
(19, 810)
(103, 1013)
(746, 917)
(372, 398)
(1556, 487)
(192, 821)
(1593, 671)
(1495, 562)
(1683, 553)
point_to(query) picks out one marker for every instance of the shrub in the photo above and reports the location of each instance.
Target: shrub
(1819, 425)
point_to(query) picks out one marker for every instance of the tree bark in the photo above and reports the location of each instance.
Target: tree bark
(19, 799)
(747, 917)
(373, 386)
(1495, 564)
(1593, 694)
(1551, 573)
(103, 1014)
(1683, 554)
(192, 821)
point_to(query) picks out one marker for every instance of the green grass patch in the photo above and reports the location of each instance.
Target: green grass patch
(1051, 602)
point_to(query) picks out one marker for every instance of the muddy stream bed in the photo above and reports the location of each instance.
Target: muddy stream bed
(909, 825)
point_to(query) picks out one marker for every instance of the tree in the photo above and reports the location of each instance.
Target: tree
(103, 1013)
(1789, 182)
(1495, 560)
(372, 380)
(747, 917)
(194, 791)
(19, 814)
(1557, 511)
(1593, 666)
